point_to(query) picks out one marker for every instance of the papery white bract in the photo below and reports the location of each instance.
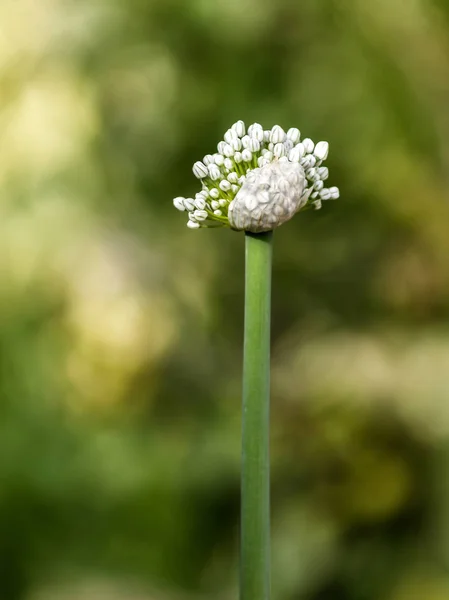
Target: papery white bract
(270, 196)
(258, 179)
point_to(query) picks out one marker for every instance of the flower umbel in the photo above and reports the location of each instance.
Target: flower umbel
(258, 179)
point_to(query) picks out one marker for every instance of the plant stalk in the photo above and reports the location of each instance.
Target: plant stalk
(255, 487)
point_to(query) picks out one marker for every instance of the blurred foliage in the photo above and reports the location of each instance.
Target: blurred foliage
(120, 330)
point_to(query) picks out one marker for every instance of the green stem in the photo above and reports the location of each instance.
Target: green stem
(255, 506)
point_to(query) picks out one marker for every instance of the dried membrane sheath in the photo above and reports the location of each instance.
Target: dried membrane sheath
(270, 196)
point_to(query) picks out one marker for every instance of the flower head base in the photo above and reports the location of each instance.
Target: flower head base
(258, 180)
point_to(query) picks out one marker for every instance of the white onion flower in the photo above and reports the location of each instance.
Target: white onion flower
(179, 203)
(321, 150)
(277, 135)
(279, 150)
(189, 204)
(199, 170)
(294, 135)
(247, 155)
(239, 128)
(258, 179)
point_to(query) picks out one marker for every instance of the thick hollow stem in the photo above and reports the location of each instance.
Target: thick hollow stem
(255, 503)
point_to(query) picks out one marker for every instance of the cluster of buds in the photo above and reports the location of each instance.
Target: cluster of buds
(258, 179)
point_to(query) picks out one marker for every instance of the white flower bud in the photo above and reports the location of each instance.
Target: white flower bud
(277, 135)
(228, 150)
(200, 215)
(300, 149)
(214, 172)
(236, 145)
(220, 147)
(261, 161)
(208, 159)
(279, 150)
(288, 145)
(238, 157)
(317, 204)
(335, 192)
(325, 194)
(318, 185)
(225, 185)
(189, 204)
(230, 135)
(246, 155)
(219, 159)
(294, 135)
(200, 170)
(270, 196)
(223, 202)
(266, 135)
(308, 161)
(271, 146)
(255, 127)
(192, 225)
(310, 173)
(233, 177)
(239, 128)
(200, 203)
(245, 141)
(305, 195)
(229, 165)
(254, 145)
(308, 145)
(179, 203)
(235, 188)
(215, 204)
(323, 172)
(214, 193)
(218, 213)
(321, 150)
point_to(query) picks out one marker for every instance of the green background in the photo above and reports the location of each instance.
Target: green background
(121, 330)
